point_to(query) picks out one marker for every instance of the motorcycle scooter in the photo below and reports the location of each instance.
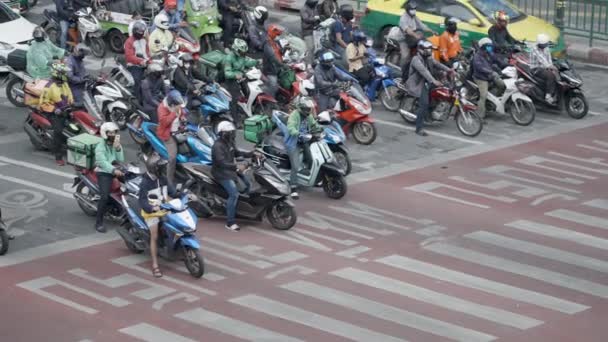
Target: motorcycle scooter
(15, 83)
(353, 109)
(40, 129)
(336, 140)
(256, 99)
(88, 30)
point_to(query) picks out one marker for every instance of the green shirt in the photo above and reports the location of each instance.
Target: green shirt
(234, 65)
(106, 154)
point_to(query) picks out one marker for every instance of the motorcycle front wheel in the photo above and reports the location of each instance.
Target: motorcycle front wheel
(194, 261)
(98, 46)
(119, 117)
(3, 242)
(577, 106)
(469, 123)
(136, 121)
(15, 83)
(281, 215)
(389, 97)
(335, 186)
(343, 159)
(364, 132)
(522, 112)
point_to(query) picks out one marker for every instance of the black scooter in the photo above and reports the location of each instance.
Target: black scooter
(4, 236)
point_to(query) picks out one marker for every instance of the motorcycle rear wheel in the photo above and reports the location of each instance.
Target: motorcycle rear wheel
(80, 189)
(194, 261)
(3, 242)
(335, 187)
(282, 216)
(12, 97)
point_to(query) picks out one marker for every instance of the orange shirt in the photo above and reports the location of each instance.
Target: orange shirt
(449, 45)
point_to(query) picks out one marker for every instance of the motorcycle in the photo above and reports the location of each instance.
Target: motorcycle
(353, 109)
(255, 99)
(111, 100)
(120, 73)
(4, 237)
(176, 233)
(324, 170)
(303, 84)
(336, 140)
(443, 102)
(15, 83)
(87, 30)
(215, 105)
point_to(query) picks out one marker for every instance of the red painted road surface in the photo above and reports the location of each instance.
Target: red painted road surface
(508, 245)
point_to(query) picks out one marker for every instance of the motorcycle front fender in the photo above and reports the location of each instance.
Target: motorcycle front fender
(117, 105)
(333, 169)
(388, 82)
(520, 96)
(190, 241)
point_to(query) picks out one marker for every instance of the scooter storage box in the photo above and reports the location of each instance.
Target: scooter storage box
(33, 91)
(256, 127)
(16, 59)
(81, 150)
(212, 63)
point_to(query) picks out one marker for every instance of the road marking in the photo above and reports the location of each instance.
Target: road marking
(576, 217)
(37, 186)
(37, 167)
(593, 148)
(432, 133)
(560, 233)
(232, 327)
(12, 138)
(597, 203)
(387, 312)
(151, 333)
(482, 284)
(310, 319)
(510, 266)
(540, 250)
(553, 121)
(595, 113)
(436, 298)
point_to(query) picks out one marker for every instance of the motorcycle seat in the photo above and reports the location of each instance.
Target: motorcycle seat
(206, 170)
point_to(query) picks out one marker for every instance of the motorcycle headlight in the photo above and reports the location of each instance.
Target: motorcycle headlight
(572, 80)
(463, 92)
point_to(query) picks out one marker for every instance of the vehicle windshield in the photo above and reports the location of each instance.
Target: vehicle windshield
(489, 7)
(7, 14)
(357, 92)
(201, 5)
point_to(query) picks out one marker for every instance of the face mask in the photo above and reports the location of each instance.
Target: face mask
(39, 40)
(138, 36)
(412, 12)
(489, 48)
(171, 12)
(542, 46)
(111, 139)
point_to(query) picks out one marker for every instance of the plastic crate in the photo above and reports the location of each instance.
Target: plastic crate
(81, 150)
(256, 127)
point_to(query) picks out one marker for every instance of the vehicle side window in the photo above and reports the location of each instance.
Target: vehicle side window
(457, 11)
(430, 6)
(6, 14)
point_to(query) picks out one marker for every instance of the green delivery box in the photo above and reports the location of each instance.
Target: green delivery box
(256, 127)
(81, 150)
(212, 65)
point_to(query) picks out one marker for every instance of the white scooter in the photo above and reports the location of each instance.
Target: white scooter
(111, 100)
(256, 100)
(512, 102)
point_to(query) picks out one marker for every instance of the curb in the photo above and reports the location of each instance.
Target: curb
(587, 54)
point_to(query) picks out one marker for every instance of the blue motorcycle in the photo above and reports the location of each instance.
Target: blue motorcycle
(193, 146)
(176, 236)
(215, 106)
(336, 139)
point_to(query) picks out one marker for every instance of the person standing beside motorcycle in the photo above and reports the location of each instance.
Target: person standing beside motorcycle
(449, 42)
(153, 90)
(500, 36)
(421, 81)
(56, 97)
(137, 55)
(486, 68)
(256, 31)
(235, 65)
(341, 31)
(326, 82)
(229, 10)
(542, 66)
(225, 170)
(327, 9)
(356, 53)
(170, 119)
(41, 54)
(161, 39)
(78, 74)
(309, 17)
(107, 154)
(412, 31)
(65, 11)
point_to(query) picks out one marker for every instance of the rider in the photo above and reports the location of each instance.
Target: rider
(449, 42)
(301, 122)
(410, 26)
(78, 74)
(256, 30)
(56, 97)
(153, 189)
(326, 78)
(542, 66)
(225, 170)
(327, 9)
(271, 66)
(65, 11)
(499, 34)
(187, 83)
(175, 17)
(309, 18)
(486, 68)
(136, 17)
(153, 90)
(161, 38)
(107, 154)
(229, 10)
(40, 54)
(235, 65)
(137, 55)
(171, 116)
(421, 81)
(356, 53)
(341, 31)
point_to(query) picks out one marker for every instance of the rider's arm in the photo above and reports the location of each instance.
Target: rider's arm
(293, 124)
(148, 96)
(229, 72)
(444, 43)
(130, 55)
(250, 62)
(404, 24)
(165, 117)
(254, 37)
(422, 70)
(55, 50)
(73, 74)
(314, 125)
(423, 26)
(221, 159)
(307, 16)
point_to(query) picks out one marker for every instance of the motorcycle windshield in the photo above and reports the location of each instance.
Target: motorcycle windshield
(186, 34)
(357, 93)
(296, 45)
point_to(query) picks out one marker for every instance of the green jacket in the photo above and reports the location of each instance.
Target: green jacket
(234, 65)
(105, 155)
(38, 57)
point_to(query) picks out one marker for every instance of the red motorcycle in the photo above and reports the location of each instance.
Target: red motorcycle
(39, 128)
(353, 109)
(303, 84)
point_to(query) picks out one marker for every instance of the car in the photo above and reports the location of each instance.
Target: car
(475, 19)
(14, 29)
(21, 6)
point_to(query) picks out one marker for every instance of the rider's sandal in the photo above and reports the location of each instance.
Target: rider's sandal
(156, 272)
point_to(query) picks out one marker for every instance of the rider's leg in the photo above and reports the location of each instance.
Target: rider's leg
(483, 95)
(153, 226)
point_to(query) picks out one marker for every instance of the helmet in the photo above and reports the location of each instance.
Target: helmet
(359, 36)
(239, 46)
(327, 58)
(484, 41)
(312, 3)
(154, 163)
(139, 29)
(501, 16)
(39, 34)
(411, 5)
(108, 127)
(260, 13)
(81, 50)
(451, 24)
(305, 105)
(225, 129)
(170, 4)
(161, 21)
(155, 67)
(542, 39)
(275, 30)
(425, 48)
(59, 71)
(347, 12)
(174, 98)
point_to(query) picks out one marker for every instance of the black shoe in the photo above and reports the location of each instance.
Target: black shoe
(422, 133)
(100, 228)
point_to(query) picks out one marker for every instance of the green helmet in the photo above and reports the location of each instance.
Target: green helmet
(239, 46)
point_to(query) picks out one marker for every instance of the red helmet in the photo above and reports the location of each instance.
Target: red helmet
(275, 30)
(170, 4)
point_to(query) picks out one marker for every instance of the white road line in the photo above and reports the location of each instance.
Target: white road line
(482, 284)
(540, 250)
(387, 312)
(510, 266)
(436, 298)
(310, 319)
(595, 113)
(432, 133)
(597, 203)
(576, 217)
(232, 327)
(150, 333)
(553, 121)
(36, 167)
(37, 186)
(566, 234)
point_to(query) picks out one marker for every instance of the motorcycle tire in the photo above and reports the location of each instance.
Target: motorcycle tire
(194, 261)
(98, 46)
(136, 121)
(460, 121)
(283, 221)
(116, 41)
(3, 242)
(119, 117)
(525, 116)
(335, 186)
(343, 159)
(577, 111)
(364, 132)
(85, 209)
(131, 246)
(13, 99)
(389, 97)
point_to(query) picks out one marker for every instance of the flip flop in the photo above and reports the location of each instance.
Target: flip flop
(156, 272)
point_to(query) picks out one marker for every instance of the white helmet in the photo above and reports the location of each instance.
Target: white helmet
(225, 126)
(542, 39)
(485, 41)
(107, 127)
(260, 13)
(162, 21)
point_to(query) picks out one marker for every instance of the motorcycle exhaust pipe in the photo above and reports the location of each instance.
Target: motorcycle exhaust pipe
(84, 201)
(33, 134)
(407, 114)
(19, 92)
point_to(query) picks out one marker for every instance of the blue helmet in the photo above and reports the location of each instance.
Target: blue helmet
(327, 58)
(174, 98)
(359, 36)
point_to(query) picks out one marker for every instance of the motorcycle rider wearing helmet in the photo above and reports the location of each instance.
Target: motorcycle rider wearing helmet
(301, 123)
(153, 90)
(65, 11)
(136, 17)
(309, 18)
(271, 66)
(225, 170)
(40, 55)
(421, 81)
(173, 14)
(542, 66)
(56, 97)
(229, 11)
(161, 38)
(486, 72)
(256, 31)
(171, 116)
(107, 154)
(326, 82)
(341, 31)
(499, 34)
(449, 42)
(153, 190)
(137, 55)
(186, 81)
(78, 74)
(412, 31)
(327, 9)
(356, 53)
(235, 65)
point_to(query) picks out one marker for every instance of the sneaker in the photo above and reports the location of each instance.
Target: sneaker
(101, 228)
(422, 133)
(294, 195)
(234, 227)
(549, 98)
(60, 162)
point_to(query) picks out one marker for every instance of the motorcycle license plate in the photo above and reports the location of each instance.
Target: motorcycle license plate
(457, 102)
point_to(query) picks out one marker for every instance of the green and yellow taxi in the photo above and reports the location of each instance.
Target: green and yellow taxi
(476, 18)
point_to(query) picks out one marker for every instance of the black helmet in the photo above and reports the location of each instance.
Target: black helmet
(312, 3)
(39, 34)
(139, 29)
(154, 164)
(359, 36)
(186, 58)
(411, 5)
(327, 58)
(347, 12)
(451, 24)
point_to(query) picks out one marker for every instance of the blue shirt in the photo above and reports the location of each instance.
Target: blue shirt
(346, 31)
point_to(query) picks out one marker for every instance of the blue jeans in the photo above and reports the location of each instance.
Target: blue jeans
(63, 38)
(233, 198)
(423, 106)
